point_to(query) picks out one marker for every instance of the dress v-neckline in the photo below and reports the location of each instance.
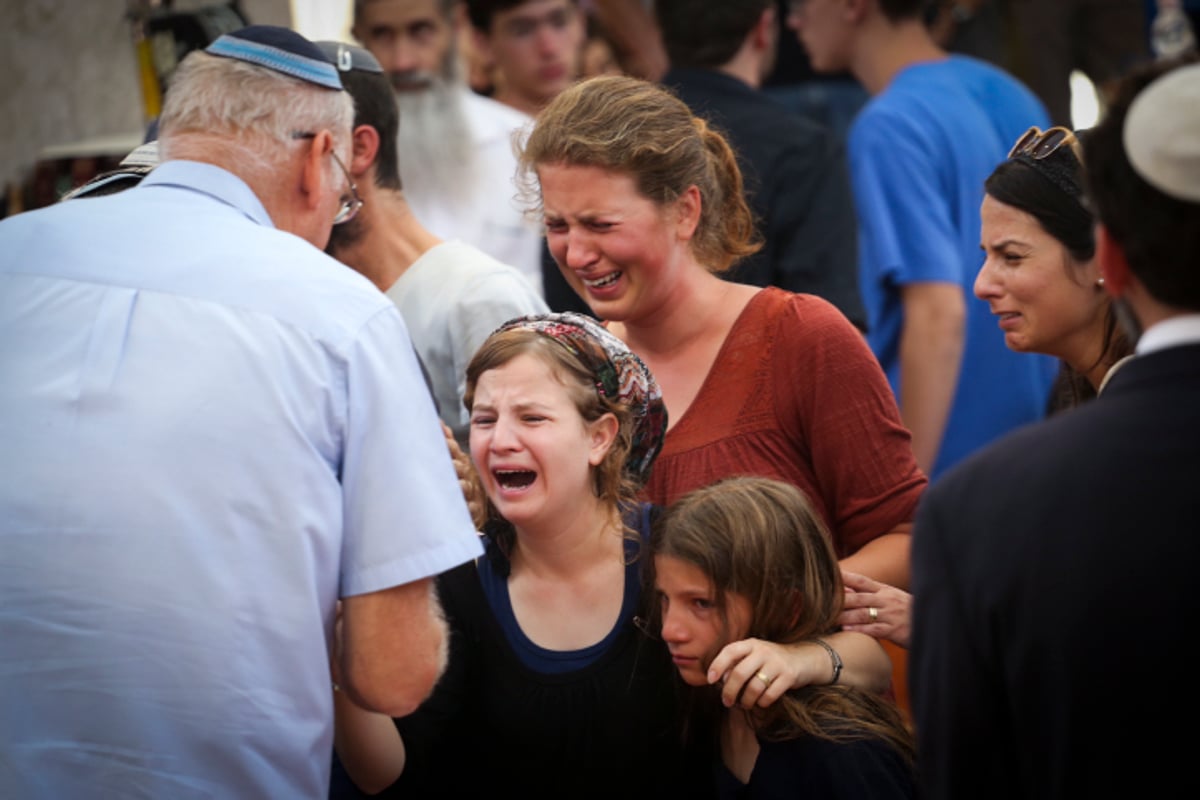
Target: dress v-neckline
(708, 377)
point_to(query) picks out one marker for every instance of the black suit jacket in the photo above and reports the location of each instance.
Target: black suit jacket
(797, 184)
(1056, 581)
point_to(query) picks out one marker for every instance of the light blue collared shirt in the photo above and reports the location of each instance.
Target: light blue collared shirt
(211, 432)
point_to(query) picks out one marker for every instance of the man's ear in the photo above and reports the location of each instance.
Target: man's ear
(1114, 266)
(481, 43)
(764, 31)
(314, 173)
(460, 19)
(365, 141)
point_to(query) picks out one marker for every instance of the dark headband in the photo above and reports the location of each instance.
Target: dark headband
(1060, 168)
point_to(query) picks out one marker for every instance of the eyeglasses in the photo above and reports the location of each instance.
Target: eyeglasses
(350, 203)
(1039, 144)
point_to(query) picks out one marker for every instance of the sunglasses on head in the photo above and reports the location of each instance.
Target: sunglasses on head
(1038, 144)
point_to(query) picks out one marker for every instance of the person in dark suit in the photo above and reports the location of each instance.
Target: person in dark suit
(796, 179)
(1053, 573)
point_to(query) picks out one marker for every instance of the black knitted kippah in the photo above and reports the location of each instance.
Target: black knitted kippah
(348, 57)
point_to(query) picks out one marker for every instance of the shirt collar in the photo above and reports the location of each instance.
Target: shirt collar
(209, 179)
(1171, 332)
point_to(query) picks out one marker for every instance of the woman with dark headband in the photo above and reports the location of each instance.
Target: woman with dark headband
(1041, 279)
(1040, 276)
(552, 686)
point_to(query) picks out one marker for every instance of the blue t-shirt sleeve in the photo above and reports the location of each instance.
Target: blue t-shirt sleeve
(908, 234)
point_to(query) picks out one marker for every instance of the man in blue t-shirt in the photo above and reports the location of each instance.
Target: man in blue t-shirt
(935, 128)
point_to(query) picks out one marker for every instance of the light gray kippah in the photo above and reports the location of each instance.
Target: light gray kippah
(1162, 134)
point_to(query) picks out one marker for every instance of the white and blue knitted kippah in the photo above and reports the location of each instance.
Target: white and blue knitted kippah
(279, 49)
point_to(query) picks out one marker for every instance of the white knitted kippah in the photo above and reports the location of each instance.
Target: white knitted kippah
(1162, 134)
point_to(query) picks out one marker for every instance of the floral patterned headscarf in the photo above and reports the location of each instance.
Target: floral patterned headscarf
(620, 376)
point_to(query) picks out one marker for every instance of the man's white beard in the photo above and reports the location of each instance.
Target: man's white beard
(437, 158)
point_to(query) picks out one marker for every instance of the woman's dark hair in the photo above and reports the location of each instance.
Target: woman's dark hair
(1019, 184)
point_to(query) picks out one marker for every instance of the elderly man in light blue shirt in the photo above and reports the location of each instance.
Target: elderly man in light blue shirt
(212, 433)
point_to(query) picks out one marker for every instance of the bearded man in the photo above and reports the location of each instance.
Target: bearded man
(457, 161)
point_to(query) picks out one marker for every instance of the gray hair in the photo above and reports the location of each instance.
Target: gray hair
(247, 111)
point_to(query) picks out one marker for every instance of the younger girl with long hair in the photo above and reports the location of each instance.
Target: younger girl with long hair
(749, 557)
